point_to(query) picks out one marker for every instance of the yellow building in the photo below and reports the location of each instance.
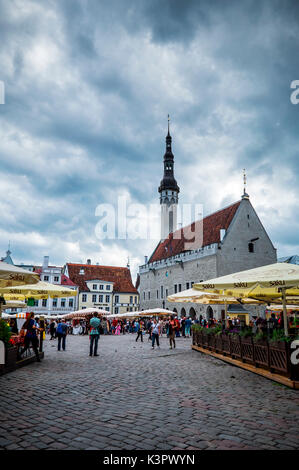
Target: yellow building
(106, 287)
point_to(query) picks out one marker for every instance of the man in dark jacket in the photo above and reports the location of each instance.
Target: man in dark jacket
(61, 332)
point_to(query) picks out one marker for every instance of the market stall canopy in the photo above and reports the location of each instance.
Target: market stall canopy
(123, 315)
(14, 304)
(40, 290)
(11, 275)
(155, 311)
(85, 312)
(15, 315)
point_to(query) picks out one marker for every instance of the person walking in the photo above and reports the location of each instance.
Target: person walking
(171, 332)
(155, 333)
(94, 334)
(188, 323)
(30, 336)
(140, 331)
(52, 329)
(61, 332)
(117, 329)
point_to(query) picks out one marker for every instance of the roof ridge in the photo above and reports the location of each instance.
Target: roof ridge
(209, 215)
(98, 266)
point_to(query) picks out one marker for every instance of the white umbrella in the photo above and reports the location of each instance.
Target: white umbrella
(156, 311)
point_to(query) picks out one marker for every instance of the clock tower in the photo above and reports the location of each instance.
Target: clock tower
(169, 191)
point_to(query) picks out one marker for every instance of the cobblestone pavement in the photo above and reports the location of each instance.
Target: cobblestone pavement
(133, 397)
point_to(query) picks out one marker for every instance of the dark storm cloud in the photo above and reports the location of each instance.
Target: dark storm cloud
(89, 85)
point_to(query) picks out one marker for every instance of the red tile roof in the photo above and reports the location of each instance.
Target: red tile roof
(121, 277)
(210, 226)
(65, 281)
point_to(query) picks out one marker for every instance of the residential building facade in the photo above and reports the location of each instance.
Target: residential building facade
(105, 287)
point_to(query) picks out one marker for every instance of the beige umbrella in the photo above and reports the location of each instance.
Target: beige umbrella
(206, 298)
(263, 283)
(11, 275)
(39, 291)
(202, 297)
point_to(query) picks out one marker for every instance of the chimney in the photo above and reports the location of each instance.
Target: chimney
(145, 260)
(46, 262)
(222, 234)
(89, 261)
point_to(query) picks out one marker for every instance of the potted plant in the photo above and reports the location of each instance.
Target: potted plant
(10, 349)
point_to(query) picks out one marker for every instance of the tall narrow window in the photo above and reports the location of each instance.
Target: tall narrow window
(251, 247)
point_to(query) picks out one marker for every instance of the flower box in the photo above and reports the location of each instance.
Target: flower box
(261, 353)
(218, 343)
(225, 344)
(247, 349)
(279, 357)
(212, 342)
(10, 358)
(235, 347)
(205, 340)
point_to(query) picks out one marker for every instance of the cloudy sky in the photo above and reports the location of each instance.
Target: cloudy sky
(88, 86)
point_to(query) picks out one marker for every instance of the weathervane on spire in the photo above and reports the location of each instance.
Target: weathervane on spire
(168, 123)
(245, 195)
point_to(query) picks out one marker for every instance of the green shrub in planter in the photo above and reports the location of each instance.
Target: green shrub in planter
(246, 333)
(196, 327)
(278, 335)
(259, 336)
(5, 333)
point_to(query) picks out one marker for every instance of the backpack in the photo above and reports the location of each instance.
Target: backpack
(61, 328)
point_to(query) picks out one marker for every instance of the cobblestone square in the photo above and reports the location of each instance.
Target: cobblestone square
(133, 397)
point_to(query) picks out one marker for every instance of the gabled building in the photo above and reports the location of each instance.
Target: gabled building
(229, 240)
(106, 287)
(56, 306)
(7, 259)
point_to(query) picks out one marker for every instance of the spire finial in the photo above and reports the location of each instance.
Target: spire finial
(244, 195)
(168, 124)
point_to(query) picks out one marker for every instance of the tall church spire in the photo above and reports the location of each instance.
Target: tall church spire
(169, 191)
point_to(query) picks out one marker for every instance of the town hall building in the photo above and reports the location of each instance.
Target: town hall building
(230, 240)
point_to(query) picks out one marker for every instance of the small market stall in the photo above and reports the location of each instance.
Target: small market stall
(81, 318)
(38, 290)
(10, 276)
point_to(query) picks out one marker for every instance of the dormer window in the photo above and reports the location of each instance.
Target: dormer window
(81, 271)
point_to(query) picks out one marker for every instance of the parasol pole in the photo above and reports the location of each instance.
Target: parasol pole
(285, 317)
(225, 314)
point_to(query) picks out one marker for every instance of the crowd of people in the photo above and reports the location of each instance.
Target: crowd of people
(171, 327)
